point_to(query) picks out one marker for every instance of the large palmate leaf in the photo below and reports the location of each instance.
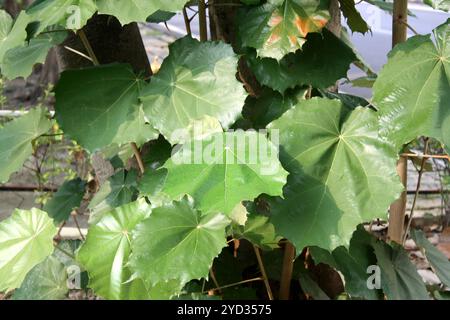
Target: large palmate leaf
(95, 106)
(443, 5)
(120, 189)
(323, 60)
(281, 26)
(46, 281)
(177, 242)
(269, 105)
(354, 19)
(16, 137)
(19, 61)
(26, 239)
(437, 259)
(259, 231)
(353, 263)
(413, 89)
(12, 34)
(224, 170)
(137, 10)
(342, 173)
(197, 80)
(136, 129)
(72, 14)
(399, 277)
(68, 197)
(106, 251)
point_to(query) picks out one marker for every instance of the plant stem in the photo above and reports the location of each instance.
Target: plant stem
(138, 156)
(214, 279)
(58, 235)
(81, 54)
(63, 251)
(187, 22)
(427, 156)
(286, 272)
(74, 216)
(263, 272)
(202, 20)
(234, 284)
(88, 47)
(410, 27)
(416, 195)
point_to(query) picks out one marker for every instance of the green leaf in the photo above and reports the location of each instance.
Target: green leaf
(342, 173)
(353, 264)
(259, 231)
(46, 281)
(67, 198)
(198, 79)
(399, 277)
(177, 242)
(19, 61)
(160, 16)
(6, 22)
(443, 5)
(361, 63)
(348, 100)
(354, 19)
(107, 249)
(95, 106)
(72, 14)
(12, 34)
(120, 189)
(413, 89)
(224, 170)
(16, 137)
(323, 60)
(437, 259)
(281, 26)
(136, 129)
(137, 10)
(26, 239)
(270, 105)
(310, 287)
(151, 185)
(251, 2)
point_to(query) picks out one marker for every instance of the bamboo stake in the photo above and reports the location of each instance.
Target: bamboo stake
(398, 208)
(202, 20)
(286, 272)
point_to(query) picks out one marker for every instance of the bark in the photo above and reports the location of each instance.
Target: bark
(110, 42)
(12, 7)
(223, 27)
(335, 26)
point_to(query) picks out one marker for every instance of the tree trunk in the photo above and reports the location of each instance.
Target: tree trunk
(223, 27)
(110, 42)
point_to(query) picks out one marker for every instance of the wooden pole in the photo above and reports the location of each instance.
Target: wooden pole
(398, 208)
(203, 25)
(286, 272)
